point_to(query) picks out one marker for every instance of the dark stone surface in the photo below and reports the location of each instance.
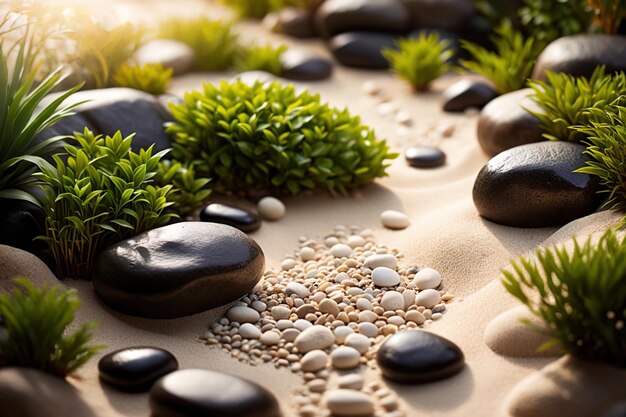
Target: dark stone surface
(466, 94)
(424, 157)
(178, 270)
(22, 222)
(64, 127)
(534, 186)
(296, 22)
(232, 216)
(199, 392)
(111, 109)
(579, 55)
(417, 356)
(362, 49)
(170, 53)
(441, 14)
(339, 16)
(504, 123)
(301, 66)
(135, 369)
(616, 410)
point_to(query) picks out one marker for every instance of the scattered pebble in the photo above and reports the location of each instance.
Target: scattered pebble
(385, 277)
(249, 331)
(271, 208)
(371, 88)
(386, 260)
(359, 342)
(348, 403)
(341, 250)
(241, 314)
(315, 337)
(428, 298)
(427, 278)
(393, 219)
(350, 381)
(404, 118)
(345, 357)
(392, 301)
(314, 361)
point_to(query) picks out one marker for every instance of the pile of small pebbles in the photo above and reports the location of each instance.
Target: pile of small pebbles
(329, 308)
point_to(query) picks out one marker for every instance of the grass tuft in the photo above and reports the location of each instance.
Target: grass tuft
(151, 78)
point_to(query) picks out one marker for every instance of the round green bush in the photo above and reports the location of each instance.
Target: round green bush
(267, 136)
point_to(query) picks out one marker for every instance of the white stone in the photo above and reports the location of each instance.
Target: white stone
(314, 361)
(393, 219)
(367, 316)
(258, 306)
(315, 337)
(392, 301)
(363, 304)
(428, 298)
(307, 253)
(270, 338)
(284, 324)
(329, 306)
(342, 276)
(358, 341)
(290, 334)
(415, 316)
(341, 333)
(345, 357)
(409, 298)
(427, 278)
(249, 331)
(404, 118)
(341, 250)
(287, 264)
(385, 277)
(242, 314)
(384, 259)
(371, 88)
(356, 241)
(351, 381)
(280, 312)
(368, 329)
(302, 324)
(348, 403)
(297, 289)
(271, 208)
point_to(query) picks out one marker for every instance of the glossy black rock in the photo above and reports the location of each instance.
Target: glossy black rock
(300, 66)
(339, 16)
(199, 392)
(178, 270)
(441, 14)
(22, 222)
(362, 49)
(417, 356)
(136, 369)
(466, 94)
(424, 157)
(232, 216)
(293, 21)
(534, 186)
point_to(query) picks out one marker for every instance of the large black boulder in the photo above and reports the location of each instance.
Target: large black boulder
(339, 16)
(362, 49)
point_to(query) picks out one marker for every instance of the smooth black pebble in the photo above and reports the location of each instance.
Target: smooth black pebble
(136, 369)
(417, 356)
(232, 216)
(199, 392)
(424, 157)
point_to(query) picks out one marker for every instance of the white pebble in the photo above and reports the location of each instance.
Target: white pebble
(341, 333)
(341, 250)
(409, 298)
(270, 338)
(371, 88)
(345, 357)
(243, 314)
(307, 253)
(392, 301)
(404, 118)
(314, 361)
(284, 324)
(386, 260)
(348, 403)
(387, 109)
(329, 306)
(355, 241)
(302, 324)
(297, 289)
(427, 278)
(280, 312)
(368, 329)
(367, 316)
(385, 277)
(287, 264)
(290, 334)
(415, 316)
(258, 306)
(249, 331)
(350, 381)
(393, 219)
(363, 304)
(428, 298)
(358, 341)
(271, 208)
(315, 337)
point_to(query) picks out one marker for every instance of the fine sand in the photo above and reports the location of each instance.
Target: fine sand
(446, 234)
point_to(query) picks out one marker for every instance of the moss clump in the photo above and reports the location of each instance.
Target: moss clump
(260, 58)
(267, 136)
(580, 295)
(151, 78)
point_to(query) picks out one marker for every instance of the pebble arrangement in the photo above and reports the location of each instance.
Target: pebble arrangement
(325, 313)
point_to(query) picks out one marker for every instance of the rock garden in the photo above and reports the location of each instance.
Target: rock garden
(313, 208)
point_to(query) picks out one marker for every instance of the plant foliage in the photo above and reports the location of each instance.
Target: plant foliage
(510, 65)
(547, 20)
(36, 322)
(420, 61)
(257, 9)
(214, 42)
(267, 136)
(564, 101)
(190, 191)
(151, 78)
(102, 194)
(580, 295)
(260, 58)
(609, 14)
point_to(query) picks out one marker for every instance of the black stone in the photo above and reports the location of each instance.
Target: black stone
(417, 356)
(616, 410)
(136, 369)
(466, 94)
(579, 55)
(362, 49)
(339, 16)
(22, 222)
(424, 157)
(504, 123)
(296, 22)
(178, 270)
(534, 186)
(203, 393)
(300, 66)
(66, 126)
(441, 14)
(232, 216)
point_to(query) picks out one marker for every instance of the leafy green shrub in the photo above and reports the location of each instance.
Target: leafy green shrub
(101, 195)
(565, 99)
(36, 321)
(189, 190)
(213, 41)
(151, 78)
(257, 9)
(547, 20)
(260, 58)
(420, 61)
(267, 136)
(581, 296)
(510, 65)
(609, 14)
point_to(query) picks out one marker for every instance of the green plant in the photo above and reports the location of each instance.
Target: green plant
(151, 78)
(510, 65)
(257, 9)
(580, 295)
(260, 58)
(609, 14)
(420, 61)
(36, 322)
(266, 136)
(547, 20)
(101, 195)
(24, 115)
(213, 41)
(189, 190)
(564, 101)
